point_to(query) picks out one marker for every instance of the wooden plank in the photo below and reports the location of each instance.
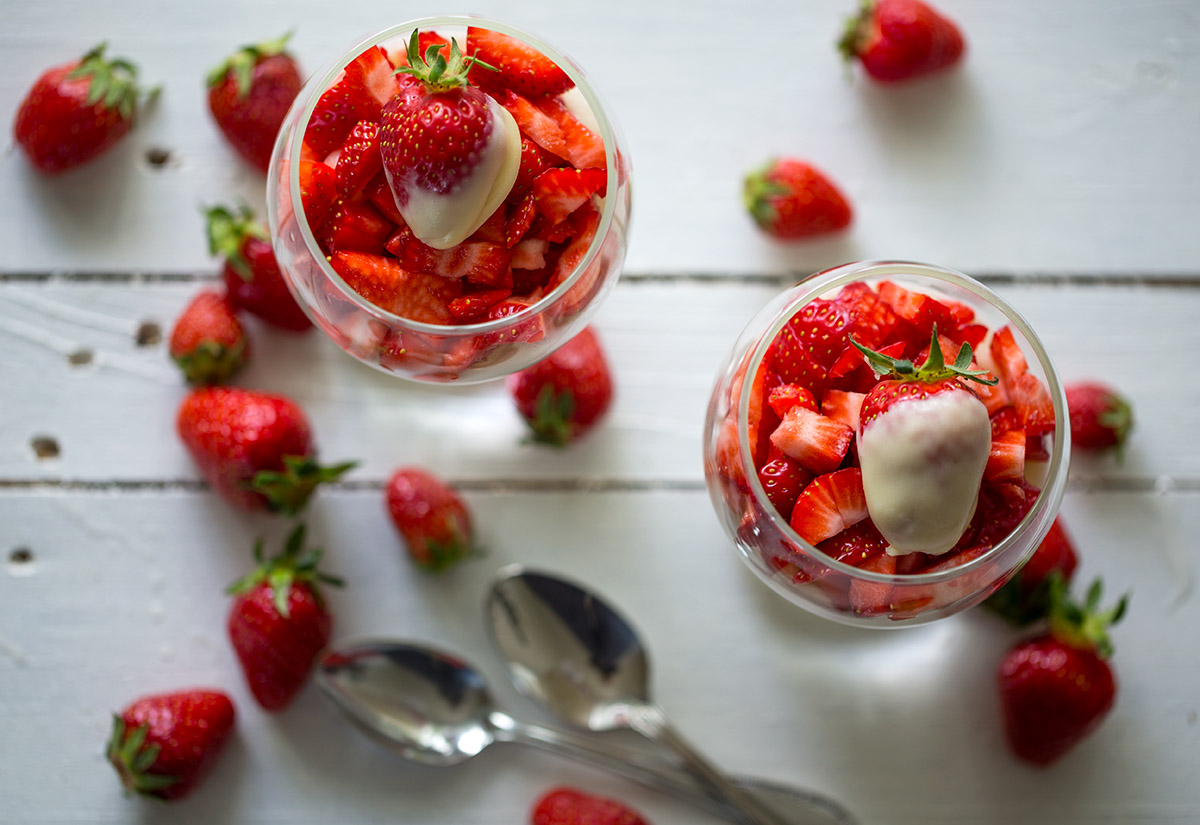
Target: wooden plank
(990, 167)
(123, 596)
(114, 418)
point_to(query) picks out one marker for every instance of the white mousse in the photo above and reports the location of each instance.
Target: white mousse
(922, 462)
(446, 220)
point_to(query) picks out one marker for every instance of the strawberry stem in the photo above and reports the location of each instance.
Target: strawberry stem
(113, 82)
(282, 571)
(132, 758)
(438, 72)
(288, 490)
(243, 61)
(1084, 626)
(935, 367)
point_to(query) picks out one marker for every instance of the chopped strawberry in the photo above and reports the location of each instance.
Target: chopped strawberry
(829, 504)
(1035, 448)
(1005, 419)
(520, 219)
(871, 598)
(356, 227)
(535, 124)
(1006, 460)
(571, 257)
(474, 307)
(871, 319)
(855, 545)
(518, 66)
(480, 262)
(374, 72)
(1033, 404)
(1007, 357)
(910, 600)
(318, 191)
(559, 192)
(918, 309)
(993, 396)
(816, 441)
(529, 331)
(793, 363)
(359, 160)
(783, 479)
(843, 407)
(785, 396)
(852, 372)
(534, 161)
(530, 254)
(1001, 506)
(821, 327)
(972, 334)
(385, 283)
(338, 110)
(379, 193)
(585, 149)
(492, 229)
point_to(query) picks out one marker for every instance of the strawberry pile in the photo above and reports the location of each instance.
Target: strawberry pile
(356, 141)
(808, 396)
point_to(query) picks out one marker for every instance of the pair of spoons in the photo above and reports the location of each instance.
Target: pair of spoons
(570, 652)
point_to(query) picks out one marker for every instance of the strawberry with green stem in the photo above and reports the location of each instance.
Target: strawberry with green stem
(431, 517)
(565, 395)
(208, 341)
(898, 40)
(1025, 598)
(1056, 689)
(1101, 418)
(791, 199)
(279, 622)
(78, 110)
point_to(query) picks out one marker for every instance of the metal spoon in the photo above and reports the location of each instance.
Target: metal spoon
(432, 707)
(575, 655)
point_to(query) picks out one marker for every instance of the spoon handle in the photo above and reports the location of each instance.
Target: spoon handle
(793, 806)
(650, 721)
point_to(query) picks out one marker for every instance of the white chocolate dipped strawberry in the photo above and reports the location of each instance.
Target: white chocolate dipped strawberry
(923, 443)
(450, 152)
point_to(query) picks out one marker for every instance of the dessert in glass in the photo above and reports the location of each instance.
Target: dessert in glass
(887, 443)
(449, 201)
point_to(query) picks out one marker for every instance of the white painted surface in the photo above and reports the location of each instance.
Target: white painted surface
(1065, 145)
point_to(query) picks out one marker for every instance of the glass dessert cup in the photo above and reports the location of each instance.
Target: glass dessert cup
(800, 571)
(430, 352)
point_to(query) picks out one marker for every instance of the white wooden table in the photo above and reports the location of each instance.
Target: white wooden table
(1059, 165)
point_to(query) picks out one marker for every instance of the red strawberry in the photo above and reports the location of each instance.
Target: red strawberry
(843, 407)
(785, 396)
(208, 342)
(585, 149)
(791, 199)
(535, 124)
(1025, 598)
(164, 745)
(436, 136)
(1055, 689)
(564, 395)
(480, 262)
(559, 192)
(898, 40)
(359, 161)
(255, 449)
(927, 426)
(1100, 416)
(1006, 355)
(534, 161)
(519, 66)
(76, 111)
(278, 621)
(855, 545)
(871, 319)
(251, 274)
(384, 282)
(922, 312)
(1006, 459)
(829, 504)
(340, 107)
(380, 195)
(474, 307)
(318, 191)
(373, 71)
(567, 806)
(432, 518)
(817, 442)
(355, 226)
(249, 96)
(783, 479)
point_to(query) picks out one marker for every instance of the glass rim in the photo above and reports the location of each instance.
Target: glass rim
(1050, 495)
(599, 112)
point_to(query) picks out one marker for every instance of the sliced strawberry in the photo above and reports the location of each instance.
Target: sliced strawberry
(585, 149)
(530, 331)
(872, 320)
(1007, 357)
(791, 361)
(586, 219)
(911, 600)
(816, 441)
(1006, 460)
(385, 283)
(535, 124)
(783, 397)
(530, 254)
(359, 160)
(318, 191)
(843, 407)
(783, 479)
(520, 219)
(993, 396)
(559, 192)
(1001, 507)
(1033, 404)
(855, 545)
(972, 334)
(852, 373)
(534, 161)
(829, 504)
(822, 327)
(356, 227)
(492, 230)
(1005, 419)
(374, 72)
(479, 262)
(474, 307)
(1036, 449)
(918, 309)
(869, 598)
(379, 193)
(339, 109)
(519, 66)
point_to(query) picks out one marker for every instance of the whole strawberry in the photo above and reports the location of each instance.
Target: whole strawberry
(208, 342)
(163, 745)
(251, 273)
(439, 135)
(898, 40)
(76, 111)
(279, 622)
(1055, 689)
(1026, 597)
(255, 449)
(567, 806)
(249, 96)
(791, 199)
(1100, 416)
(564, 395)
(431, 517)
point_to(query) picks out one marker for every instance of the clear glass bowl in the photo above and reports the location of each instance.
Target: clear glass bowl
(410, 349)
(801, 572)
